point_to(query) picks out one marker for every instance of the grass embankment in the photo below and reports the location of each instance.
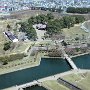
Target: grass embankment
(44, 43)
(2, 37)
(74, 32)
(22, 47)
(3, 27)
(54, 85)
(18, 52)
(81, 80)
(26, 62)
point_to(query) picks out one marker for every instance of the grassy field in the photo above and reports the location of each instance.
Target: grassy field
(2, 37)
(81, 80)
(44, 43)
(74, 32)
(54, 85)
(3, 27)
(25, 14)
(26, 62)
(21, 47)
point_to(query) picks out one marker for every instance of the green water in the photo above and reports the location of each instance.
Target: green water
(46, 68)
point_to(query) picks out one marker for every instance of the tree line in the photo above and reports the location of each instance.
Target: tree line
(53, 9)
(54, 26)
(29, 30)
(27, 26)
(78, 10)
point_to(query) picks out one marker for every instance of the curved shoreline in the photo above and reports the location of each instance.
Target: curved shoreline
(31, 65)
(20, 67)
(52, 77)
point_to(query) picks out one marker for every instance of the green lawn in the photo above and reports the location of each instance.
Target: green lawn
(75, 31)
(54, 85)
(81, 80)
(26, 62)
(44, 43)
(21, 47)
(3, 27)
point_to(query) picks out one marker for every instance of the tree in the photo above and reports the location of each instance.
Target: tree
(59, 10)
(67, 21)
(79, 19)
(50, 16)
(8, 27)
(70, 10)
(61, 22)
(64, 43)
(32, 20)
(27, 27)
(41, 18)
(77, 49)
(7, 46)
(31, 33)
(53, 27)
(77, 38)
(78, 10)
(23, 27)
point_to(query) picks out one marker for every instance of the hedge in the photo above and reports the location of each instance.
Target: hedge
(12, 57)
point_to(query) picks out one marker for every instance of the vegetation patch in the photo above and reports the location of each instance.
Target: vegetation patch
(12, 57)
(83, 10)
(7, 46)
(53, 26)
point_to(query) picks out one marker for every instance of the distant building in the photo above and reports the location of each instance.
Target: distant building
(11, 36)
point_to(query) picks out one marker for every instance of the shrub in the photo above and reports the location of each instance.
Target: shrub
(12, 57)
(7, 46)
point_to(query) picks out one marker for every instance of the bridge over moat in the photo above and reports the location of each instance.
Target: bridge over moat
(70, 62)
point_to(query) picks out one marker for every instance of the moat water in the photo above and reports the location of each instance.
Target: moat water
(46, 68)
(82, 62)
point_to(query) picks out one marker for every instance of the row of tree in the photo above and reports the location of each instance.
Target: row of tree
(59, 10)
(55, 26)
(29, 30)
(54, 9)
(78, 10)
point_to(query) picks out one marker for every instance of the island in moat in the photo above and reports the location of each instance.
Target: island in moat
(31, 47)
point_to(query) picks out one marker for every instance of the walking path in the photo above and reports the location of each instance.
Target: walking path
(27, 85)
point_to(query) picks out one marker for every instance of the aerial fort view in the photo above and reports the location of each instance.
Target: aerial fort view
(44, 45)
